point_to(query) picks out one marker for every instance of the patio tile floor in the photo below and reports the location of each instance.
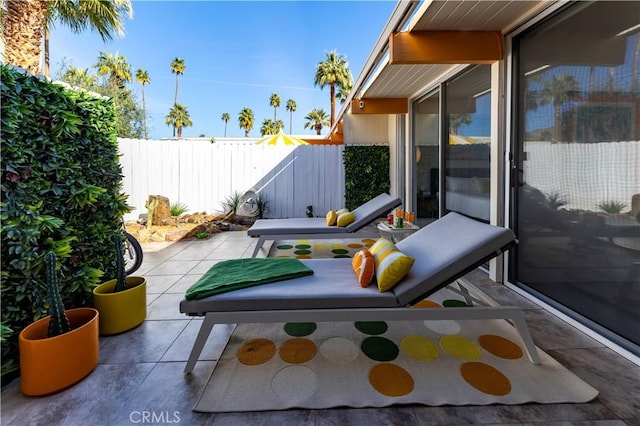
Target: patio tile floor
(141, 371)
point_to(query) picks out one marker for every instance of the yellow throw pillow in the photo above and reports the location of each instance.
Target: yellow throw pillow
(391, 264)
(345, 218)
(339, 212)
(331, 217)
(364, 267)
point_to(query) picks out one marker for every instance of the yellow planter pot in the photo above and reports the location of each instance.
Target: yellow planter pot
(50, 364)
(123, 310)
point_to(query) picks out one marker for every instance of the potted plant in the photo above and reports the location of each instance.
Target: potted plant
(122, 302)
(61, 349)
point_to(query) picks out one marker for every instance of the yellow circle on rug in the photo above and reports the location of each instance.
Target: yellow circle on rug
(500, 347)
(298, 350)
(485, 378)
(256, 351)
(420, 348)
(321, 246)
(460, 347)
(391, 380)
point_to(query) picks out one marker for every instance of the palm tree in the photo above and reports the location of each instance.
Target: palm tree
(177, 67)
(291, 107)
(333, 71)
(27, 24)
(225, 117)
(178, 117)
(268, 127)
(246, 120)
(79, 78)
(114, 66)
(105, 17)
(343, 91)
(316, 119)
(562, 89)
(142, 77)
(274, 101)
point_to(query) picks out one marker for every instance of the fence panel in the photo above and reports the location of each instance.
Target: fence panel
(202, 174)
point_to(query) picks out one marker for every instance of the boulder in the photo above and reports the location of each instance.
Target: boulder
(162, 209)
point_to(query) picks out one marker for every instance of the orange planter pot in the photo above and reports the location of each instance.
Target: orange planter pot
(50, 364)
(124, 310)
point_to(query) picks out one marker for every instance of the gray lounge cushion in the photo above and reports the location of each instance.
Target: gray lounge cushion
(364, 214)
(333, 285)
(443, 249)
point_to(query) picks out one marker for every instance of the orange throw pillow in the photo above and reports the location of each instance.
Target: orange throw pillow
(364, 267)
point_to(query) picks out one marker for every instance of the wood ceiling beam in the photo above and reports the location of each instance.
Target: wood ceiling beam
(445, 47)
(380, 106)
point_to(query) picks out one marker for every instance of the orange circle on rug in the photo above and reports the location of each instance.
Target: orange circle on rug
(303, 256)
(368, 241)
(460, 347)
(355, 246)
(485, 378)
(426, 304)
(391, 380)
(298, 350)
(500, 347)
(256, 351)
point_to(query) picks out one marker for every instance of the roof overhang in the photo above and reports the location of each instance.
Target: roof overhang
(434, 25)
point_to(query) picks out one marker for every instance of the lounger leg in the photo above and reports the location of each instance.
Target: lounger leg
(198, 345)
(259, 245)
(525, 335)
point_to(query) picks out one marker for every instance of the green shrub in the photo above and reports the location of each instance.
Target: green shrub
(178, 208)
(202, 235)
(366, 173)
(232, 202)
(613, 207)
(61, 192)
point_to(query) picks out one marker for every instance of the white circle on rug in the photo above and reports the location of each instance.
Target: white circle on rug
(294, 383)
(443, 326)
(339, 350)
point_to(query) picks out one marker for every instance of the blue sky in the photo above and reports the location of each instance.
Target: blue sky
(237, 53)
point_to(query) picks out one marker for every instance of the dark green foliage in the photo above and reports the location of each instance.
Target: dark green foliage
(61, 192)
(366, 173)
(59, 323)
(121, 283)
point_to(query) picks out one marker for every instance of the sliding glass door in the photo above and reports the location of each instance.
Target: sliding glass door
(577, 146)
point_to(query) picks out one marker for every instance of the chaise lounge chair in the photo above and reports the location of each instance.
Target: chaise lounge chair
(316, 227)
(444, 251)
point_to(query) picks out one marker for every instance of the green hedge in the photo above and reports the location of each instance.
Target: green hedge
(366, 172)
(61, 191)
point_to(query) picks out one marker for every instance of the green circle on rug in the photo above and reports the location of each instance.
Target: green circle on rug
(339, 251)
(372, 328)
(303, 246)
(340, 256)
(299, 329)
(452, 303)
(379, 349)
(284, 247)
(302, 252)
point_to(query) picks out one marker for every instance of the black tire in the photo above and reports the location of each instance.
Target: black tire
(132, 254)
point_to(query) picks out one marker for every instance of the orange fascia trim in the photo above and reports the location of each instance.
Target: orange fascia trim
(446, 47)
(380, 106)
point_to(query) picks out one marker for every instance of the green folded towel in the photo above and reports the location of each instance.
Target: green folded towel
(235, 274)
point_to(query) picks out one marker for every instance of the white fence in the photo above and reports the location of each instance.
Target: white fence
(585, 175)
(203, 175)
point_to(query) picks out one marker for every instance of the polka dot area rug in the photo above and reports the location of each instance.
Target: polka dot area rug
(317, 249)
(377, 364)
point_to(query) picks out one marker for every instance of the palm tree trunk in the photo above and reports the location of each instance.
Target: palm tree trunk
(290, 120)
(175, 99)
(225, 129)
(144, 113)
(179, 132)
(333, 104)
(47, 72)
(23, 32)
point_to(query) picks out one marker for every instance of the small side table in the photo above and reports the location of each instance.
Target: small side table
(397, 234)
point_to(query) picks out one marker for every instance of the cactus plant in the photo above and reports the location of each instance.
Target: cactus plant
(151, 206)
(59, 323)
(121, 284)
